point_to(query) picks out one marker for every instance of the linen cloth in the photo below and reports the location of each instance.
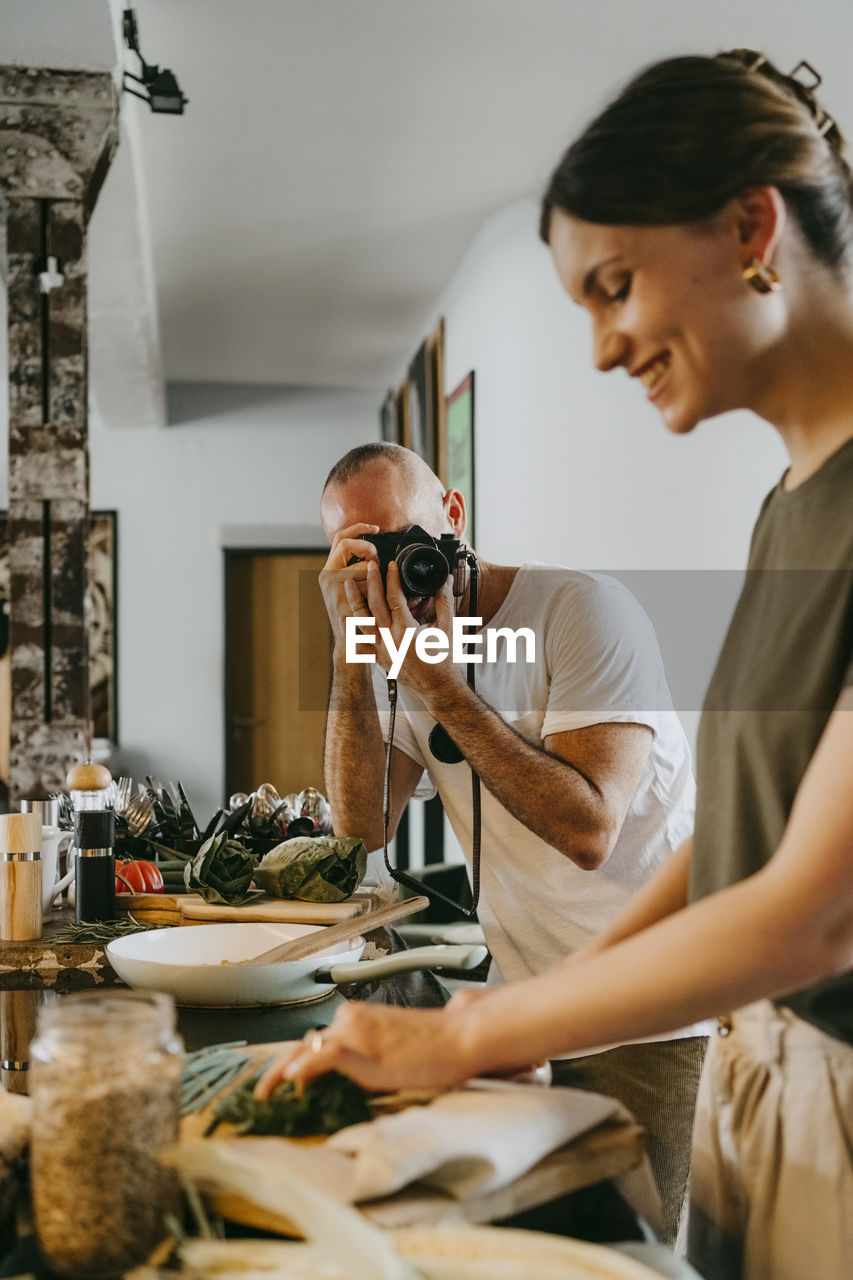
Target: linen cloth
(479, 1138)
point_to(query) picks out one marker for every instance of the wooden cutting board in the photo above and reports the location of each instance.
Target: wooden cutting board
(191, 908)
(610, 1151)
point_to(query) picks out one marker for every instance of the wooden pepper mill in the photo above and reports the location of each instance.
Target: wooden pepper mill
(20, 877)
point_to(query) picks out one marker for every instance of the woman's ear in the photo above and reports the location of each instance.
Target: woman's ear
(760, 218)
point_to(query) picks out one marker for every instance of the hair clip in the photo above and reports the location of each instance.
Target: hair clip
(817, 78)
(823, 120)
(825, 123)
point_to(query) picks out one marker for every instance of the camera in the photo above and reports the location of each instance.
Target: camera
(424, 562)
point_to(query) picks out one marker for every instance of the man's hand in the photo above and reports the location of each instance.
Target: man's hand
(337, 572)
(390, 609)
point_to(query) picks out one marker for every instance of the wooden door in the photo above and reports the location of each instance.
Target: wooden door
(278, 664)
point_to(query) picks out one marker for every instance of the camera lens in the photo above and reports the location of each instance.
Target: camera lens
(423, 570)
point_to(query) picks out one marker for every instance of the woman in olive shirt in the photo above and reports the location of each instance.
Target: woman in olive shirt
(704, 221)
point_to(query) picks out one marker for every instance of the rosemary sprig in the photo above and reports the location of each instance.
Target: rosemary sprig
(208, 1071)
(97, 932)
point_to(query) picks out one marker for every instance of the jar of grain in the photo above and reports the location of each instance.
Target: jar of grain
(106, 1073)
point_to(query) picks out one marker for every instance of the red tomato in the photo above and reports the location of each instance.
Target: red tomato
(138, 877)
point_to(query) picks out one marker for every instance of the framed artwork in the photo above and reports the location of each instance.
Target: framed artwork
(459, 446)
(420, 404)
(388, 423)
(101, 617)
(437, 451)
(100, 613)
(401, 403)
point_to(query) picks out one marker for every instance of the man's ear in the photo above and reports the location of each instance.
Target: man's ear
(455, 511)
(760, 217)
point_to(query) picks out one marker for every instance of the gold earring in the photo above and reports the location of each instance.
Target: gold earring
(763, 279)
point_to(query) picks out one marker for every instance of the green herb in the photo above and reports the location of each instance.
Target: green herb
(98, 932)
(222, 871)
(208, 1071)
(313, 869)
(324, 1105)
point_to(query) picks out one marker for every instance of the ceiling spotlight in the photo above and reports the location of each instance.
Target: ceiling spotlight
(161, 89)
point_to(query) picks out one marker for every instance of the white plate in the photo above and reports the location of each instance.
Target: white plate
(188, 963)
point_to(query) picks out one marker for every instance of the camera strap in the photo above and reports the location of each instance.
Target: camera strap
(445, 749)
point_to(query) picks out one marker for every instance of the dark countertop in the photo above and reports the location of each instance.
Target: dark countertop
(34, 973)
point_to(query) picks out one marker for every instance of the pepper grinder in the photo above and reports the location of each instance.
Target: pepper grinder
(94, 838)
(20, 877)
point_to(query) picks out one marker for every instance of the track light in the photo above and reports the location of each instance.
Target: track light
(161, 89)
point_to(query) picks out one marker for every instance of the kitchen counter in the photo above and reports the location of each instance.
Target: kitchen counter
(587, 1205)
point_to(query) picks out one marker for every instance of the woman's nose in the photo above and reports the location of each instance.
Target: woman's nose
(610, 347)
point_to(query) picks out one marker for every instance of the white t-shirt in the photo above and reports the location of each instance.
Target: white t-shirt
(597, 661)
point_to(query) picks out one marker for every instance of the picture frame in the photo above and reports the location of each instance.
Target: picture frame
(389, 425)
(419, 404)
(100, 608)
(457, 447)
(401, 404)
(102, 617)
(437, 452)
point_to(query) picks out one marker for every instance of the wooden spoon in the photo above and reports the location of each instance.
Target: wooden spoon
(299, 948)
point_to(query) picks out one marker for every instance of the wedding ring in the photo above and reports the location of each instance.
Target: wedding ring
(395, 607)
(315, 1041)
(361, 609)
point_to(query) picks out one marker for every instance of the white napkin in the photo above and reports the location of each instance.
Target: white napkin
(472, 1140)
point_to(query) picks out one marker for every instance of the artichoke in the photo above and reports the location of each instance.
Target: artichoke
(313, 869)
(222, 871)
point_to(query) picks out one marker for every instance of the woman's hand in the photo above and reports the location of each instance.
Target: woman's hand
(382, 1048)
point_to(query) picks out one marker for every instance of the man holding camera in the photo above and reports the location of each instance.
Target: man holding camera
(585, 770)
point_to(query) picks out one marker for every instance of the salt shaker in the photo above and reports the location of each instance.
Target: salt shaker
(20, 877)
(106, 1071)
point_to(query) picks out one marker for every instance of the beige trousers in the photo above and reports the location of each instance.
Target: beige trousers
(771, 1189)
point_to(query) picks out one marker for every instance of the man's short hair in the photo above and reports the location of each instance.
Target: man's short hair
(353, 462)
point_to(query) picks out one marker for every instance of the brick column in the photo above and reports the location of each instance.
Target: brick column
(58, 132)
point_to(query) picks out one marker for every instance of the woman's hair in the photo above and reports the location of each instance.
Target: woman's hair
(688, 134)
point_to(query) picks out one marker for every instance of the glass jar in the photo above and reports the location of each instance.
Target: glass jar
(106, 1072)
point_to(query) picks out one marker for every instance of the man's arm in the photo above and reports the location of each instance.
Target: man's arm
(354, 751)
(574, 794)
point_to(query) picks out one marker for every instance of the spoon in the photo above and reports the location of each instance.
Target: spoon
(299, 948)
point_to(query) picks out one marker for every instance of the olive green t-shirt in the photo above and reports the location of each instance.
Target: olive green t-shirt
(786, 658)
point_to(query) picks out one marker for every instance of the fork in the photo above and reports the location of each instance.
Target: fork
(122, 797)
(139, 812)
